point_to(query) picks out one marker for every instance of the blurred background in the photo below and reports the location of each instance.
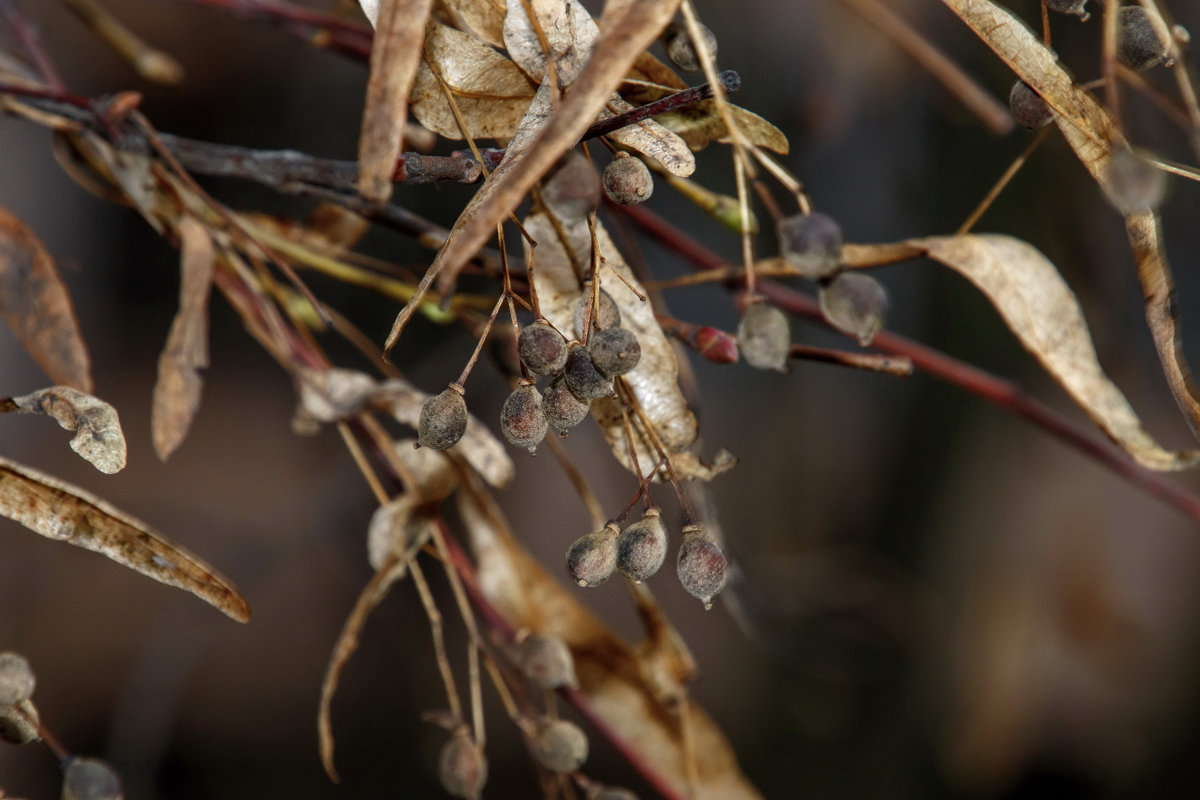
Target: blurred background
(936, 598)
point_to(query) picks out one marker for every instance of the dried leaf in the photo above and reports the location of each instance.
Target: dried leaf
(651, 139)
(570, 33)
(177, 391)
(67, 513)
(98, 437)
(1094, 137)
(395, 54)
(654, 381)
(35, 304)
(627, 29)
(649, 69)
(1042, 311)
(700, 123)
(491, 92)
(483, 18)
(330, 395)
(623, 688)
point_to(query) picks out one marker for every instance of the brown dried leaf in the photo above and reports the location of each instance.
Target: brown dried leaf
(98, 437)
(333, 394)
(651, 139)
(649, 69)
(1042, 311)
(700, 123)
(483, 18)
(67, 513)
(622, 687)
(395, 54)
(1094, 137)
(655, 380)
(491, 92)
(177, 391)
(35, 304)
(627, 29)
(570, 32)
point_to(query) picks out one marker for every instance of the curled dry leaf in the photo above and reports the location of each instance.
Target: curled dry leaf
(627, 28)
(35, 304)
(483, 18)
(330, 395)
(570, 32)
(655, 380)
(177, 391)
(490, 91)
(614, 678)
(67, 513)
(1094, 137)
(395, 54)
(651, 139)
(1042, 311)
(98, 437)
(700, 123)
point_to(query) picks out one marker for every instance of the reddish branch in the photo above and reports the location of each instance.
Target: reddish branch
(998, 391)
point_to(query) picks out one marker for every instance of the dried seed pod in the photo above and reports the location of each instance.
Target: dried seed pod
(701, 566)
(1138, 44)
(522, 420)
(462, 767)
(19, 723)
(592, 559)
(563, 409)
(1132, 184)
(1075, 7)
(542, 348)
(627, 180)
(765, 337)
(90, 779)
(811, 244)
(582, 376)
(16, 679)
(609, 315)
(680, 50)
(642, 547)
(547, 661)
(854, 303)
(1028, 108)
(573, 190)
(560, 746)
(443, 419)
(614, 351)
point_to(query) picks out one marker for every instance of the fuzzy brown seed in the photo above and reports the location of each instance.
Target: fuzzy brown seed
(443, 419)
(609, 315)
(542, 348)
(522, 420)
(765, 337)
(462, 767)
(16, 679)
(811, 244)
(614, 351)
(1028, 108)
(856, 304)
(573, 190)
(90, 779)
(1138, 44)
(563, 409)
(701, 566)
(582, 376)
(627, 180)
(1076, 7)
(680, 50)
(592, 559)
(560, 746)
(642, 547)
(547, 661)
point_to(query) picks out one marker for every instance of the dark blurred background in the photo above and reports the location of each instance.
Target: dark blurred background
(939, 600)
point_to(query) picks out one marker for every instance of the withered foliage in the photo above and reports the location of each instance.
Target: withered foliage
(533, 78)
